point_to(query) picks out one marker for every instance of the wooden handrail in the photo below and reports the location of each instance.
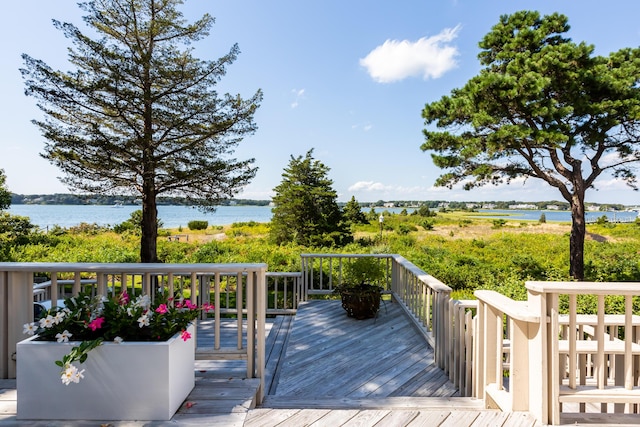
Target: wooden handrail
(517, 310)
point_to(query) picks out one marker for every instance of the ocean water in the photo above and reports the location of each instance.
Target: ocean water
(46, 216)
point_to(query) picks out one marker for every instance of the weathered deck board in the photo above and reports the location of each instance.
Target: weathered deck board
(332, 355)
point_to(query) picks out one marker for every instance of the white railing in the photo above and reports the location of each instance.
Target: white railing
(545, 357)
(322, 273)
(593, 359)
(237, 290)
(426, 300)
(502, 337)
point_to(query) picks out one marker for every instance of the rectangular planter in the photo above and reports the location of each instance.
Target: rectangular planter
(122, 382)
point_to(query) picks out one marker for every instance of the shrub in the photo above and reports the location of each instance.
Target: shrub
(198, 225)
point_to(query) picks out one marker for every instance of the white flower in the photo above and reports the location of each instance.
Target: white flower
(58, 317)
(118, 340)
(143, 320)
(30, 328)
(143, 301)
(130, 311)
(47, 322)
(71, 374)
(64, 336)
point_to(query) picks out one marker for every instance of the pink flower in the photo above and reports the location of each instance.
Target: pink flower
(190, 305)
(207, 307)
(96, 323)
(185, 335)
(124, 297)
(162, 309)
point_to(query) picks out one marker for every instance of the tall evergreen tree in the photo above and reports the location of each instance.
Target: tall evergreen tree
(353, 212)
(306, 211)
(140, 114)
(542, 107)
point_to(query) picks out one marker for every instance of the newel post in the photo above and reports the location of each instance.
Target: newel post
(539, 381)
(16, 303)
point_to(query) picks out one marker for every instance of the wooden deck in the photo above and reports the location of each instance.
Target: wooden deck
(323, 369)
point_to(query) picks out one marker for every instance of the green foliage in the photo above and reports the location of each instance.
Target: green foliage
(406, 228)
(198, 225)
(353, 213)
(499, 223)
(427, 224)
(424, 211)
(5, 194)
(542, 219)
(14, 231)
(306, 211)
(369, 270)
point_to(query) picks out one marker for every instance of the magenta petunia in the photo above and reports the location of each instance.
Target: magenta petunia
(185, 335)
(96, 323)
(162, 309)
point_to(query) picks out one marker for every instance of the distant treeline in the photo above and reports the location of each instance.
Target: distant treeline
(72, 199)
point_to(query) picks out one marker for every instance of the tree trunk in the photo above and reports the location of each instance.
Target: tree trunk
(576, 241)
(149, 239)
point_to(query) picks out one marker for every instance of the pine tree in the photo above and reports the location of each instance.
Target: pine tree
(140, 115)
(542, 107)
(306, 211)
(353, 212)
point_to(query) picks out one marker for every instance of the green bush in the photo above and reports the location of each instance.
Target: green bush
(198, 225)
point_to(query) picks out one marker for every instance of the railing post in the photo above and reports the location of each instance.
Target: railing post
(539, 372)
(19, 294)
(261, 285)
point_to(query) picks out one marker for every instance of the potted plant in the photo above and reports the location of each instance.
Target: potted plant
(117, 358)
(361, 288)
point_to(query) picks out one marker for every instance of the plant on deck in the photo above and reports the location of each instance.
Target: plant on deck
(91, 320)
(360, 288)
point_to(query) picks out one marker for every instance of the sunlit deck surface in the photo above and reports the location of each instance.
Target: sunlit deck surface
(323, 369)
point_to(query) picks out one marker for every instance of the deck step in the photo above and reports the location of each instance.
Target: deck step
(401, 402)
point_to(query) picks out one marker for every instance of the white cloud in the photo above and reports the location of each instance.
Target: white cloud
(299, 94)
(368, 186)
(429, 57)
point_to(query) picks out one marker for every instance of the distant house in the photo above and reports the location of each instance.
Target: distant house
(389, 205)
(489, 206)
(553, 207)
(522, 206)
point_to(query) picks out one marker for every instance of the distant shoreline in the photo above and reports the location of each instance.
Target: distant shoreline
(98, 200)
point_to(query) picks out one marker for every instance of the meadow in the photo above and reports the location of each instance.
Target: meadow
(464, 251)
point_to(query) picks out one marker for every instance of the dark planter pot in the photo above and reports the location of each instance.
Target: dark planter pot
(362, 302)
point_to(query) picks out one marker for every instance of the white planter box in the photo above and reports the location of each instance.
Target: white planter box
(128, 381)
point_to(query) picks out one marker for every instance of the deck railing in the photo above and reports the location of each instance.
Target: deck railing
(593, 359)
(235, 290)
(543, 355)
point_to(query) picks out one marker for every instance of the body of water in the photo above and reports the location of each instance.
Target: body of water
(171, 216)
(46, 216)
(555, 216)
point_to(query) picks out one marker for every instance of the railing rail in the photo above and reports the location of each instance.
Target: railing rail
(244, 285)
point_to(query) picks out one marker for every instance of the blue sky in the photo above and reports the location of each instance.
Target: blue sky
(348, 78)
